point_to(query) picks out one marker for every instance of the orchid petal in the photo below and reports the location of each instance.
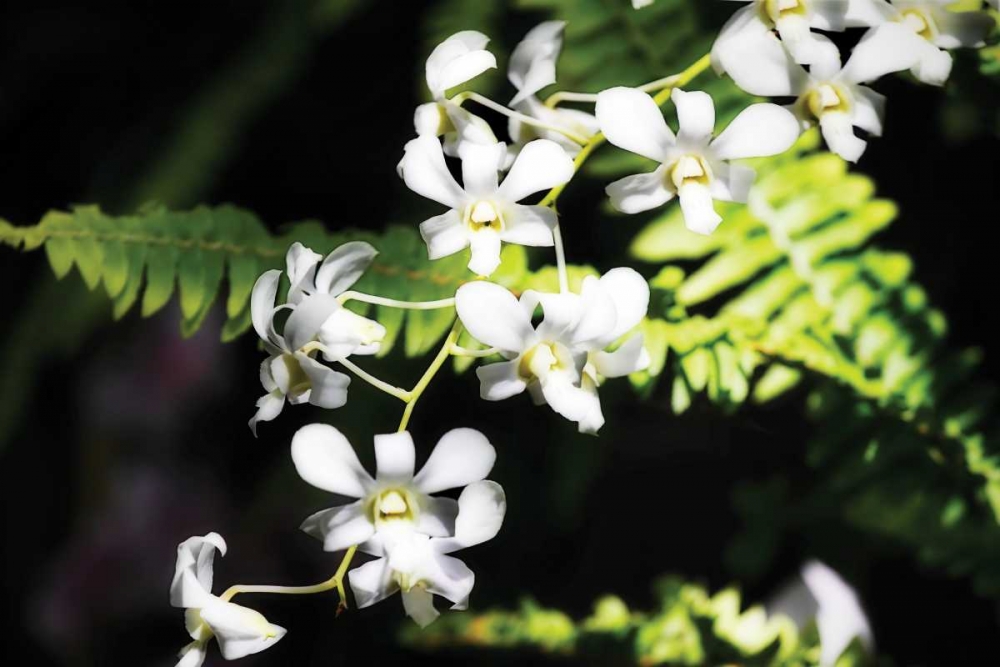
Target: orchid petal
(462, 456)
(541, 165)
(630, 120)
(324, 458)
(426, 173)
(394, 457)
(492, 315)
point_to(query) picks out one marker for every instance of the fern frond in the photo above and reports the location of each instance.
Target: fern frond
(157, 253)
(790, 287)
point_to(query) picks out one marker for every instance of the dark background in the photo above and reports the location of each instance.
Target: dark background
(129, 439)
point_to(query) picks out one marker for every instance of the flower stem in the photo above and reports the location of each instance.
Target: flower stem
(401, 394)
(418, 390)
(527, 120)
(553, 100)
(477, 354)
(395, 303)
(672, 81)
(560, 259)
(334, 582)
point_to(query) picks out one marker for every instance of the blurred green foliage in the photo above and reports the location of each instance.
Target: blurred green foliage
(688, 627)
(157, 252)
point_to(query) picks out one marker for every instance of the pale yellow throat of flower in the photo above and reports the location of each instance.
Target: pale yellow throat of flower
(826, 98)
(774, 10)
(392, 505)
(484, 215)
(543, 359)
(689, 170)
(919, 22)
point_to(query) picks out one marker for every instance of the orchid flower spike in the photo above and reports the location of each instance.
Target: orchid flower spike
(561, 361)
(793, 20)
(934, 28)
(455, 61)
(419, 566)
(828, 95)
(291, 372)
(484, 213)
(532, 67)
(693, 165)
(239, 631)
(396, 500)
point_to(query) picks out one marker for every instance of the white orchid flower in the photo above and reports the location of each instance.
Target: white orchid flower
(455, 61)
(794, 21)
(562, 360)
(820, 594)
(934, 28)
(290, 372)
(394, 500)
(828, 95)
(639, 4)
(419, 566)
(484, 213)
(693, 165)
(532, 67)
(238, 630)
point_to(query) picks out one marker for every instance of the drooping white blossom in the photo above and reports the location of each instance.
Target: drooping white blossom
(562, 360)
(419, 566)
(934, 28)
(314, 315)
(793, 20)
(455, 61)
(485, 213)
(820, 595)
(532, 67)
(396, 500)
(238, 630)
(828, 95)
(693, 164)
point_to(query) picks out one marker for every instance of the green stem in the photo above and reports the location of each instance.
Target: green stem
(395, 303)
(523, 118)
(334, 582)
(429, 374)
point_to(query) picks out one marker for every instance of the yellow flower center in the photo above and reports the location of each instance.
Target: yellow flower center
(543, 359)
(298, 381)
(824, 99)
(778, 9)
(690, 169)
(919, 22)
(483, 215)
(392, 505)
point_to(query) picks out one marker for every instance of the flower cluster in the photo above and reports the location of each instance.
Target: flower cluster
(580, 338)
(770, 49)
(316, 323)
(561, 361)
